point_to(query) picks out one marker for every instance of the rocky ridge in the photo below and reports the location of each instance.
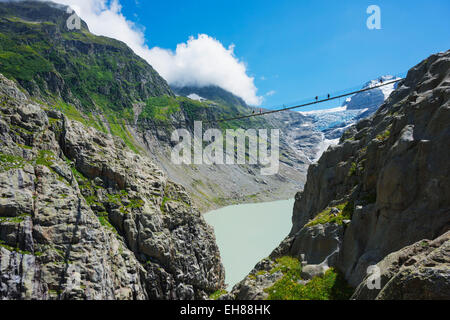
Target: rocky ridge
(379, 197)
(94, 73)
(83, 217)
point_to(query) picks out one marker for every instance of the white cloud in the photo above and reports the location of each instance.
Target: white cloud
(201, 61)
(270, 93)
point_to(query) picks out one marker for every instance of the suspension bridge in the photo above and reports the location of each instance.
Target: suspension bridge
(255, 113)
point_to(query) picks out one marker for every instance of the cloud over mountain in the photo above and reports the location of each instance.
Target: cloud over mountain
(201, 61)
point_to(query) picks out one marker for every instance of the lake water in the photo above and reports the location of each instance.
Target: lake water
(247, 233)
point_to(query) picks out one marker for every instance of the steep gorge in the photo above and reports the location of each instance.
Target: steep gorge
(91, 207)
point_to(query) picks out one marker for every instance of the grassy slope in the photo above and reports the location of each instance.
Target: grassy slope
(79, 73)
(97, 79)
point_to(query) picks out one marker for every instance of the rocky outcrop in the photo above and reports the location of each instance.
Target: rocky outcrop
(418, 271)
(83, 217)
(318, 243)
(91, 72)
(384, 187)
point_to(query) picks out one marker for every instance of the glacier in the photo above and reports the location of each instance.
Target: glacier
(332, 122)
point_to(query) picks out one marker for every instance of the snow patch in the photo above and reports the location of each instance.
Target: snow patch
(322, 111)
(195, 96)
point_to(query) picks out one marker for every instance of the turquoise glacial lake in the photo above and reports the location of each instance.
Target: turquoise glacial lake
(247, 233)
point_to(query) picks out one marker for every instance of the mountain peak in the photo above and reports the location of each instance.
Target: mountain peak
(38, 12)
(50, 60)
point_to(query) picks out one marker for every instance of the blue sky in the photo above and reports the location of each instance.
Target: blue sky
(301, 49)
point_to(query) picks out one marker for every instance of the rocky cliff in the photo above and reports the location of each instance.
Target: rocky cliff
(100, 82)
(94, 73)
(378, 198)
(213, 186)
(84, 217)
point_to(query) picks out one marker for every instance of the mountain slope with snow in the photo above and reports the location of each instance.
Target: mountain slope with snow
(333, 122)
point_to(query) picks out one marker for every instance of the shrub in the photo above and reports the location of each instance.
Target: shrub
(384, 136)
(160, 108)
(352, 170)
(330, 286)
(8, 162)
(345, 213)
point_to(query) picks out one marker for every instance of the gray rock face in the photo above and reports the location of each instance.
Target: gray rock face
(82, 217)
(418, 271)
(394, 166)
(391, 171)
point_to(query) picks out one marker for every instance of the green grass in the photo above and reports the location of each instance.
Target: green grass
(330, 286)
(104, 221)
(77, 174)
(71, 112)
(135, 203)
(45, 158)
(89, 193)
(107, 79)
(424, 244)
(160, 109)
(8, 162)
(28, 53)
(345, 213)
(163, 204)
(16, 249)
(192, 108)
(24, 146)
(115, 121)
(216, 295)
(21, 61)
(384, 136)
